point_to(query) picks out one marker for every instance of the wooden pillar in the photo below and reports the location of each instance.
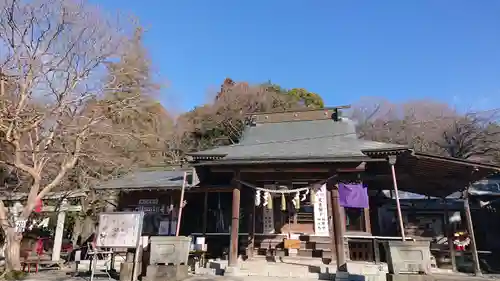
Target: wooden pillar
(181, 205)
(470, 230)
(251, 230)
(449, 234)
(338, 230)
(235, 223)
(392, 162)
(205, 213)
(58, 236)
(368, 223)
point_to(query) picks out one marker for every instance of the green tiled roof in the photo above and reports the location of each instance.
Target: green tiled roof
(317, 139)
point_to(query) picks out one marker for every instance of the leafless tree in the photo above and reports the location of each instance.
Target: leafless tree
(429, 126)
(53, 56)
(221, 122)
(472, 136)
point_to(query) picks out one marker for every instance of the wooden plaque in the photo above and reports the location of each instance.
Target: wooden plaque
(291, 243)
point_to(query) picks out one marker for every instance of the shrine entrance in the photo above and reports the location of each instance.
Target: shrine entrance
(290, 155)
(47, 248)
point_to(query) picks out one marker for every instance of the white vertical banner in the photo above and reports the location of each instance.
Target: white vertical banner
(321, 212)
(268, 213)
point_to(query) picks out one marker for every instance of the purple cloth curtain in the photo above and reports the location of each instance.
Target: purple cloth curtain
(353, 195)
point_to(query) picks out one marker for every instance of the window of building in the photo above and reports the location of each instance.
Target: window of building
(355, 219)
(305, 214)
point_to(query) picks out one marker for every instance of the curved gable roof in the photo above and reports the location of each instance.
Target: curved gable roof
(312, 139)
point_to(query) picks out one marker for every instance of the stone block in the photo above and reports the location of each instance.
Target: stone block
(166, 272)
(232, 271)
(408, 257)
(169, 249)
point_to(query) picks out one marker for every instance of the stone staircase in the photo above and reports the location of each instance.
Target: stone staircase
(310, 246)
(296, 267)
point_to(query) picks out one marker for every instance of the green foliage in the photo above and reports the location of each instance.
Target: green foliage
(275, 88)
(223, 121)
(308, 99)
(296, 96)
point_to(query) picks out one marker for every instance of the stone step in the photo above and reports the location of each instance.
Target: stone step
(278, 243)
(319, 254)
(299, 267)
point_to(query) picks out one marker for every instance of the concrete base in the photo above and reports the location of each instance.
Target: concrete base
(166, 272)
(341, 276)
(232, 271)
(410, 277)
(126, 269)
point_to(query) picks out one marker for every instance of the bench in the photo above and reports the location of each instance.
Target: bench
(37, 261)
(36, 256)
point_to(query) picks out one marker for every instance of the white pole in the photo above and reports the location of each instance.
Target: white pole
(58, 236)
(179, 216)
(392, 162)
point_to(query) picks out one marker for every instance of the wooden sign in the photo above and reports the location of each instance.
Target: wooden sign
(291, 243)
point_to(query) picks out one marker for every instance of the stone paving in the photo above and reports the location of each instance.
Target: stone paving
(62, 275)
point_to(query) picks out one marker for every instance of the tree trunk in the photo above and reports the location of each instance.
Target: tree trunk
(77, 231)
(88, 227)
(13, 250)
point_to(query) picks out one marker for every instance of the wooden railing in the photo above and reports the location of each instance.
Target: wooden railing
(367, 248)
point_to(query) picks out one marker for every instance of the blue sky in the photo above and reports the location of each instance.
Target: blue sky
(343, 50)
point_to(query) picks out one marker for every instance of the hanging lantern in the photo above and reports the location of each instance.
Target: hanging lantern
(38, 206)
(283, 202)
(269, 201)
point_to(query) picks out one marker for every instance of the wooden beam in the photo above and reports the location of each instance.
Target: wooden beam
(251, 231)
(470, 230)
(209, 189)
(205, 212)
(71, 208)
(271, 170)
(449, 234)
(51, 195)
(366, 216)
(181, 205)
(338, 230)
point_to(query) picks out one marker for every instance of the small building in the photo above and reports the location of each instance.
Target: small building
(282, 180)
(290, 150)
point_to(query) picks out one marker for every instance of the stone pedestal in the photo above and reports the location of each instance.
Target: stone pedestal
(413, 257)
(126, 269)
(293, 252)
(166, 272)
(341, 276)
